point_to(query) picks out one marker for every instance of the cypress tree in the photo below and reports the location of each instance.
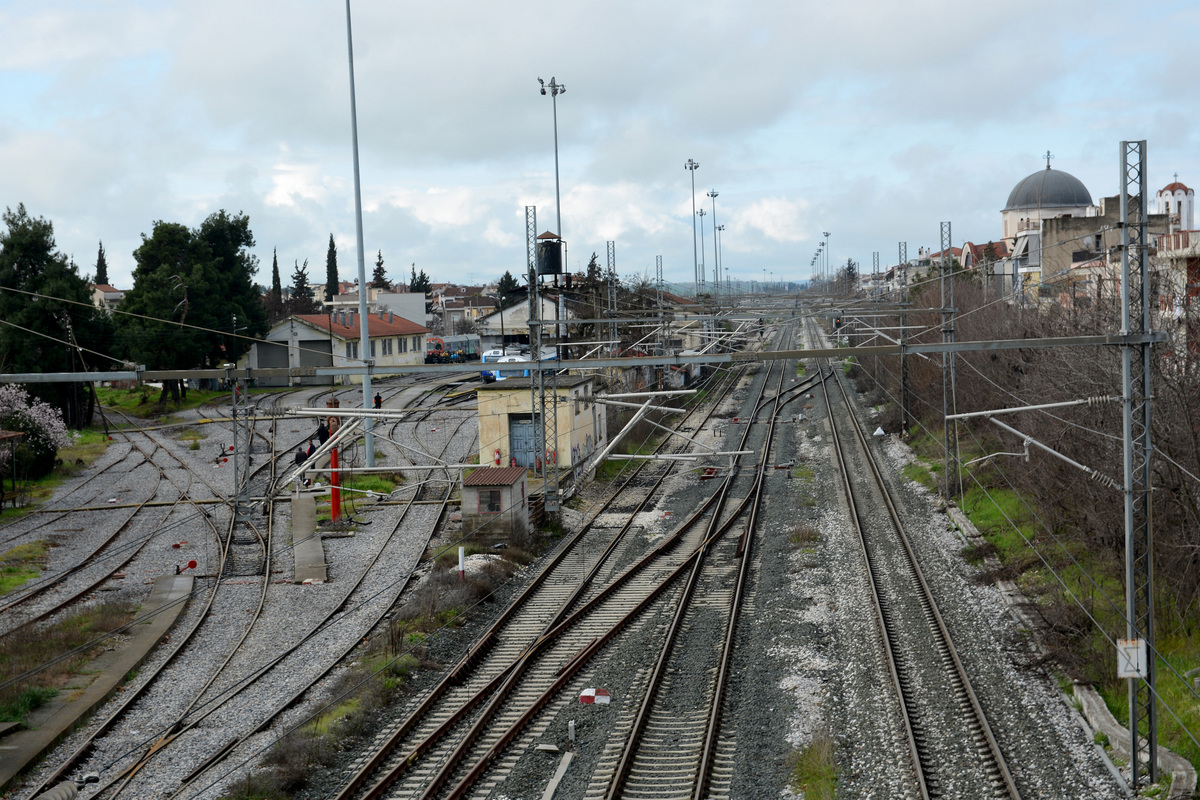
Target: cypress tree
(101, 266)
(331, 272)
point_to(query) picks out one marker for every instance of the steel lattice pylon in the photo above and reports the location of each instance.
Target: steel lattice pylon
(903, 255)
(535, 325)
(1136, 397)
(950, 428)
(614, 347)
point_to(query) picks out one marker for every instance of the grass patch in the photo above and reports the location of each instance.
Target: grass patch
(142, 401)
(87, 445)
(813, 770)
(192, 437)
(27, 649)
(20, 564)
(609, 470)
(17, 709)
(804, 472)
(804, 536)
(381, 482)
(919, 473)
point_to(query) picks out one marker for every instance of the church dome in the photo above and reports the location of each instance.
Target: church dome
(1049, 188)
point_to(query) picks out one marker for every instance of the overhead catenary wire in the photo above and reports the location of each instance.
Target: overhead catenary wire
(1113, 606)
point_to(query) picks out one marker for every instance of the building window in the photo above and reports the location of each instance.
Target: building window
(489, 501)
(348, 350)
(403, 345)
(372, 348)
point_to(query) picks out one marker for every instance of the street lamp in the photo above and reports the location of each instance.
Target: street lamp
(717, 236)
(716, 259)
(826, 233)
(364, 333)
(692, 166)
(555, 90)
(701, 214)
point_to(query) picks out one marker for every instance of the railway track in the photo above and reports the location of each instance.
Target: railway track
(471, 722)
(676, 745)
(930, 684)
(361, 604)
(229, 550)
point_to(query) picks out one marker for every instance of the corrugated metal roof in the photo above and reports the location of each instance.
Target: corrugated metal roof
(495, 476)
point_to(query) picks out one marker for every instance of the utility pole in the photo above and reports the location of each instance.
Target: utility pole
(363, 318)
(875, 333)
(1136, 393)
(950, 428)
(712, 193)
(717, 231)
(692, 166)
(826, 243)
(903, 267)
(614, 346)
(658, 292)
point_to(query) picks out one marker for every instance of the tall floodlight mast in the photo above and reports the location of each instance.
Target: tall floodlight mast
(692, 166)
(828, 276)
(363, 327)
(712, 193)
(555, 89)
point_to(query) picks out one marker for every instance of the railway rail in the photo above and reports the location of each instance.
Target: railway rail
(465, 726)
(215, 695)
(924, 669)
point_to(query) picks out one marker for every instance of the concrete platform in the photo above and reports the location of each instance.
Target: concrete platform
(95, 684)
(307, 549)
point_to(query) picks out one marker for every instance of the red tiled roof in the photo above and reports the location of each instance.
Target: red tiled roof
(376, 327)
(681, 301)
(104, 287)
(1175, 187)
(494, 476)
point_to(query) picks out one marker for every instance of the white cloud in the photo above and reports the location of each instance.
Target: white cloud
(872, 119)
(778, 219)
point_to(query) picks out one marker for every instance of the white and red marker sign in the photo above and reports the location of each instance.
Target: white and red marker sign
(595, 696)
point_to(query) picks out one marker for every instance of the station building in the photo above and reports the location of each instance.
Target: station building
(333, 340)
(510, 429)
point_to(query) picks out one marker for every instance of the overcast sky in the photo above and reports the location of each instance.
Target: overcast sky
(871, 119)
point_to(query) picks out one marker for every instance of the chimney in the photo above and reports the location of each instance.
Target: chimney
(381, 316)
(391, 317)
(350, 318)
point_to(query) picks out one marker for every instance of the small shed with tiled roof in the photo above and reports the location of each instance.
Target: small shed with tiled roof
(495, 503)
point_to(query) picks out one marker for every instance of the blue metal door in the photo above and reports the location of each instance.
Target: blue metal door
(524, 440)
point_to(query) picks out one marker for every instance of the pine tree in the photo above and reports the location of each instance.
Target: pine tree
(331, 272)
(509, 290)
(420, 283)
(379, 277)
(101, 266)
(301, 292)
